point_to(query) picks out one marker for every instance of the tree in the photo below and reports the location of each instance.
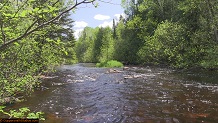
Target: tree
(114, 29)
(166, 46)
(35, 15)
(95, 45)
(35, 35)
(85, 45)
(179, 33)
(107, 45)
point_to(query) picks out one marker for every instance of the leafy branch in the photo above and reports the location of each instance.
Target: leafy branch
(22, 113)
(30, 29)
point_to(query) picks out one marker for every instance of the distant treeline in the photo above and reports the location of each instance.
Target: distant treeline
(178, 33)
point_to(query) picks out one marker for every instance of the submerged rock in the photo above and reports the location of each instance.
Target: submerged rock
(114, 71)
(138, 76)
(125, 68)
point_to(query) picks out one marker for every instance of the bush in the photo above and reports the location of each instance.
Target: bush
(22, 113)
(166, 46)
(111, 63)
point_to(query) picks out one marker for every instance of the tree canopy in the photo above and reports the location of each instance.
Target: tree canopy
(35, 36)
(178, 33)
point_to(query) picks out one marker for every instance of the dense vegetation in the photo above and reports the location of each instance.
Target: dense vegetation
(35, 36)
(178, 33)
(110, 64)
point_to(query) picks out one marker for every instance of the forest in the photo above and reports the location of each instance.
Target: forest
(177, 33)
(37, 35)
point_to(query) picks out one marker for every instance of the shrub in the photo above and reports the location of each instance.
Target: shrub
(166, 46)
(22, 113)
(111, 63)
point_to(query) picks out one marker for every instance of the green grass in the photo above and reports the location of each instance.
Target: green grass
(110, 64)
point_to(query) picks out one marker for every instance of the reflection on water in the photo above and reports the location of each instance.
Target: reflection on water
(81, 94)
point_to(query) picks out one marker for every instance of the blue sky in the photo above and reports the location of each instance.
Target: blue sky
(103, 15)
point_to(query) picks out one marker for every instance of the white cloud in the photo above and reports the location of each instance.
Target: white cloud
(107, 23)
(77, 33)
(116, 19)
(117, 16)
(80, 24)
(101, 17)
(78, 27)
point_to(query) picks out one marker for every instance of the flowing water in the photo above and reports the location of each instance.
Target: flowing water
(84, 94)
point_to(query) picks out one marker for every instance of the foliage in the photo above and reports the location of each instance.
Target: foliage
(166, 46)
(35, 36)
(22, 113)
(110, 64)
(179, 33)
(107, 45)
(84, 45)
(95, 45)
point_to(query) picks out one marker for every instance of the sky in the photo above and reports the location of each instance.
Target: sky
(102, 16)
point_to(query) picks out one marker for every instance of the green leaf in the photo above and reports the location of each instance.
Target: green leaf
(2, 107)
(25, 109)
(36, 9)
(17, 44)
(23, 13)
(54, 14)
(65, 52)
(52, 8)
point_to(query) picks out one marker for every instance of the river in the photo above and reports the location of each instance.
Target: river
(82, 93)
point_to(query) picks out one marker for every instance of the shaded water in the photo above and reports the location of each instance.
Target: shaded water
(83, 94)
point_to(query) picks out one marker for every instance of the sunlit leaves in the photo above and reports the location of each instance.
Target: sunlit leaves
(17, 44)
(13, 15)
(37, 53)
(166, 45)
(95, 45)
(22, 113)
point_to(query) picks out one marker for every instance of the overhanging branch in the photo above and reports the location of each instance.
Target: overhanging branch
(4, 5)
(29, 30)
